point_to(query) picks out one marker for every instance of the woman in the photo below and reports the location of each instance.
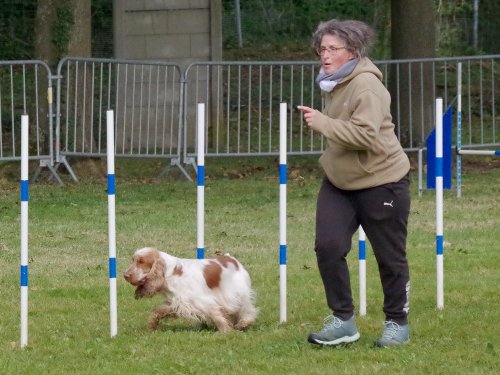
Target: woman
(366, 182)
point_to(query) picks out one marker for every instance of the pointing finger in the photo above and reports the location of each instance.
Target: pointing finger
(305, 109)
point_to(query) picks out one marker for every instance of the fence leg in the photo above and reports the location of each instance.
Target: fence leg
(65, 162)
(46, 164)
(177, 163)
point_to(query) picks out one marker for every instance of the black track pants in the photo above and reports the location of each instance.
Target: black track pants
(383, 213)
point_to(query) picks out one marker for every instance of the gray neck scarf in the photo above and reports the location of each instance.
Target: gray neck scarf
(328, 81)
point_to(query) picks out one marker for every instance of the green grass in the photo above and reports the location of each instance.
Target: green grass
(68, 277)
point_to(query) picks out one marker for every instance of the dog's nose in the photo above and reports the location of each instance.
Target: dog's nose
(126, 276)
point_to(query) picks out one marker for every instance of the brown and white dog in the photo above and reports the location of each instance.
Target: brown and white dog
(203, 290)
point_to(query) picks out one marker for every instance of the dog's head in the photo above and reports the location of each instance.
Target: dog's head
(147, 272)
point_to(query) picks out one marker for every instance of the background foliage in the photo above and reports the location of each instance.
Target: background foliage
(17, 22)
(62, 28)
(291, 22)
(267, 24)
(17, 29)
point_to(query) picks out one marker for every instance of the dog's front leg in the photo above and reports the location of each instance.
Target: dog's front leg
(221, 322)
(162, 311)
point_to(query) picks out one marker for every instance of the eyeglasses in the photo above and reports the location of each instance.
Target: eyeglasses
(331, 50)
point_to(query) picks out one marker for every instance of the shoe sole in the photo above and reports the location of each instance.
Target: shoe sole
(341, 340)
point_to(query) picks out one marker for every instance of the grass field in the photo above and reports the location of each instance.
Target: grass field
(68, 276)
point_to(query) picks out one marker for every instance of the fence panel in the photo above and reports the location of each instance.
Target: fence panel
(26, 88)
(243, 100)
(243, 107)
(480, 103)
(145, 95)
(155, 106)
(418, 82)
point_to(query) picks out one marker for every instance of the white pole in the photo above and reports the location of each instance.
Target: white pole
(24, 230)
(110, 147)
(439, 203)
(459, 129)
(282, 217)
(420, 170)
(479, 152)
(201, 181)
(362, 271)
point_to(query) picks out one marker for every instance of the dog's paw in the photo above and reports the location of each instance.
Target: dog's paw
(153, 323)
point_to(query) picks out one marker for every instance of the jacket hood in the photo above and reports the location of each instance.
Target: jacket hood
(365, 65)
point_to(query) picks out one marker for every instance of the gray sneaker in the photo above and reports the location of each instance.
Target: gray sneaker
(394, 334)
(335, 331)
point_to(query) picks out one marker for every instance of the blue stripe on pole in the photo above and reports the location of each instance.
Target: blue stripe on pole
(362, 250)
(439, 245)
(282, 254)
(24, 190)
(282, 174)
(112, 268)
(439, 167)
(24, 275)
(111, 184)
(200, 253)
(497, 152)
(201, 175)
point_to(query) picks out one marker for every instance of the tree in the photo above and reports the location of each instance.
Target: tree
(63, 27)
(412, 36)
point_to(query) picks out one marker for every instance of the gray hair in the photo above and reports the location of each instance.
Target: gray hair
(357, 36)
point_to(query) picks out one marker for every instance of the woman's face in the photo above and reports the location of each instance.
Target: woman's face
(332, 53)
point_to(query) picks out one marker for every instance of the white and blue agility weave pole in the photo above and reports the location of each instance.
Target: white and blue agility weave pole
(200, 208)
(362, 270)
(282, 214)
(439, 204)
(460, 151)
(24, 230)
(113, 306)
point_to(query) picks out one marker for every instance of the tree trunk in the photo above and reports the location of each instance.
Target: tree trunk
(44, 49)
(413, 36)
(63, 28)
(81, 33)
(74, 30)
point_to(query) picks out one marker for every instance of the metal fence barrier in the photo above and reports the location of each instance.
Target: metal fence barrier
(145, 95)
(26, 89)
(242, 111)
(155, 106)
(414, 79)
(243, 97)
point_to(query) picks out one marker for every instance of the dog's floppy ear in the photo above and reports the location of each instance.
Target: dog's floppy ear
(155, 279)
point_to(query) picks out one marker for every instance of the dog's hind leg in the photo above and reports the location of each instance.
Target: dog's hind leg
(161, 312)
